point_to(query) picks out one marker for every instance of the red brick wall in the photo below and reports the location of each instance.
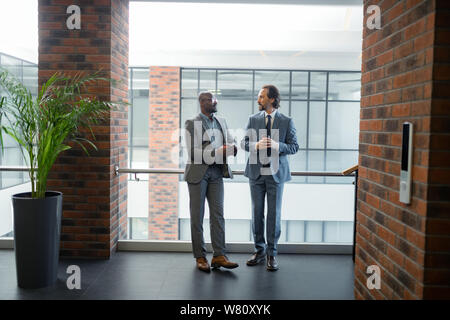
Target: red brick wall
(164, 119)
(399, 83)
(94, 209)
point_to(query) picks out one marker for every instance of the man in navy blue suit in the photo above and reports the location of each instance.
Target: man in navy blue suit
(270, 137)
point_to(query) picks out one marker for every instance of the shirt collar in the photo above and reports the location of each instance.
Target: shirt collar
(206, 118)
(274, 112)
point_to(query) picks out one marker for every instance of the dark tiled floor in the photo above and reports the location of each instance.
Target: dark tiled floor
(173, 276)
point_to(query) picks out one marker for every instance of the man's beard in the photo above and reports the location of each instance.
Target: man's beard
(213, 109)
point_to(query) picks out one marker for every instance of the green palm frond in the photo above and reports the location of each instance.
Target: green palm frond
(44, 124)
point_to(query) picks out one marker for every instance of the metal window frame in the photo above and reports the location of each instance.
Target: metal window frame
(130, 121)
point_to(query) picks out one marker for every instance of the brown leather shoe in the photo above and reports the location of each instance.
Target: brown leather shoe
(203, 264)
(222, 261)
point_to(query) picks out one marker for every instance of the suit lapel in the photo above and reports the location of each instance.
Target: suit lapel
(276, 121)
(204, 129)
(222, 129)
(261, 122)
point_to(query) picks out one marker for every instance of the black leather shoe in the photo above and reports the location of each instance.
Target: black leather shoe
(272, 263)
(256, 259)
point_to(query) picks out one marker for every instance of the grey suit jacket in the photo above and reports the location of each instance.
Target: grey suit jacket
(287, 140)
(197, 141)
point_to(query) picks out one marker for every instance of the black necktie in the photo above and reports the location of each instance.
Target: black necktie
(268, 128)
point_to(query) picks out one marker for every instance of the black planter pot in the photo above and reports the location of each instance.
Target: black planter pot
(37, 229)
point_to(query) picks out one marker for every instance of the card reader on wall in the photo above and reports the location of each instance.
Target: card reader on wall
(406, 165)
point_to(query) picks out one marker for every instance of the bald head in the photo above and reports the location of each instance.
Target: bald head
(207, 102)
(204, 95)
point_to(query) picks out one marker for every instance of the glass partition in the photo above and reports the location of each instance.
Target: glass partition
(14, 182)
(306, 217)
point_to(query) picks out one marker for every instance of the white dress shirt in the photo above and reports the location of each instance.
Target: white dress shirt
(272, 115)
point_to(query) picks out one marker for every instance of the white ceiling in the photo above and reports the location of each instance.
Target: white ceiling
(241, 35)
(19, 29)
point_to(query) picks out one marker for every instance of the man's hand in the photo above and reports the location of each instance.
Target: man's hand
(266, 143)
(226, 150)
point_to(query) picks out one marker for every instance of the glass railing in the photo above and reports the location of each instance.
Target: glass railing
(6, 216)
(158, 207)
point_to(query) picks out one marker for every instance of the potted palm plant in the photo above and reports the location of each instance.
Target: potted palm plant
(43, 126)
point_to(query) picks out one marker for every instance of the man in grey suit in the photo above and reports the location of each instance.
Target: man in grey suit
(209, 143)
(270, 137)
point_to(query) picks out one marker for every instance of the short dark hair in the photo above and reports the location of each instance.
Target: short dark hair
(273, 93)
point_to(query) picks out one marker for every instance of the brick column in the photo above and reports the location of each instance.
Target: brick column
(404, 71)
(94, 208)
(164, 119)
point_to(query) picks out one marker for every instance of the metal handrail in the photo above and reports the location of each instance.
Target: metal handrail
(11, 168)
(235, 172)
(181, 171)
(346, 172)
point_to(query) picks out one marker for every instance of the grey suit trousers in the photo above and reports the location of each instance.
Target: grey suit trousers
(211, 188)
(259, 188)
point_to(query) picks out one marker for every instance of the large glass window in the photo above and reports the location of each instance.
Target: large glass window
(189, 83)
(207, 80)
(299, 113)
(318, 86)
(324, 105)
(300, 85)
(17, 181)
(236, 112)
(237, 84)
(27, 73)
(344, 86)
(325, 111)
(138, 117)
(316, 125)
(343, 125)
(280, 79)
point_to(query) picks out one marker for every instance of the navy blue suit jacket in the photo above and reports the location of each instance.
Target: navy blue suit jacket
(286, 137)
